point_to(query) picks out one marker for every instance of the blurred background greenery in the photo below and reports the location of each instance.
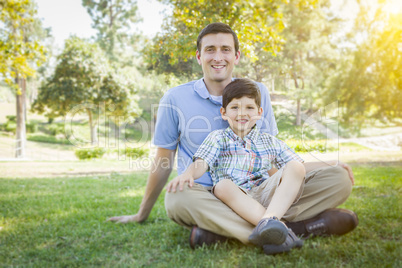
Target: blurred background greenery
(307, 52)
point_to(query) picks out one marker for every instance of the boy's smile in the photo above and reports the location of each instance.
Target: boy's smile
(241, 114)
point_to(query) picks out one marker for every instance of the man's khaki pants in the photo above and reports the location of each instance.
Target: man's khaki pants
(324, 188)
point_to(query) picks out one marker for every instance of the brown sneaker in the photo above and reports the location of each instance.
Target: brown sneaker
(199, 237)
(333, 221)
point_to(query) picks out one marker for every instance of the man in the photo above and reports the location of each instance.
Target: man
(187, 114)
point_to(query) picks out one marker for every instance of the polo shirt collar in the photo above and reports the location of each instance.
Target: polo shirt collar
(201, 89)
(253, 135)
(203, 92)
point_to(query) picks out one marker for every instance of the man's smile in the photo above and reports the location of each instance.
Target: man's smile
(218, 66)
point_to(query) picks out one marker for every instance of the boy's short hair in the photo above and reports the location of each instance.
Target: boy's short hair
(239, 88)
(215, 28)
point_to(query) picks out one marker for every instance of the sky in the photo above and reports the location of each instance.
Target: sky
(67, 17)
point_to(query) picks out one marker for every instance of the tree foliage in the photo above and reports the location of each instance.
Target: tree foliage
(84, 77)
(368, 83)
(20, 51)
(113, 19)
(257, 24)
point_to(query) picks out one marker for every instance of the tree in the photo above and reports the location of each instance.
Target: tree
(368, 83)
(84, 77)
(20, 51)
(255, 22)
(113, 20)
(308, 54)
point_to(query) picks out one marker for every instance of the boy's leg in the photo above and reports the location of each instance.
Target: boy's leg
(287, 191)
(324, 190)
(245, 206)
(196, 206)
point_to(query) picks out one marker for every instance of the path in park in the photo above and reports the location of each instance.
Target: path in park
(319, 120)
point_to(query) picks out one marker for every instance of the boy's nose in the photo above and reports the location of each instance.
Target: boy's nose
(241, 112)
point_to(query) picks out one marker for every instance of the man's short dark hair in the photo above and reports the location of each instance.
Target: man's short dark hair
(239, 88)
(214, 28)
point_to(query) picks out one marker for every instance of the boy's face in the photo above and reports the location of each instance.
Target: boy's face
(241, 114)
(218, 57)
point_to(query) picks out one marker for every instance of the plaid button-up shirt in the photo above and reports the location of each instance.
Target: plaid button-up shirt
(245, 161)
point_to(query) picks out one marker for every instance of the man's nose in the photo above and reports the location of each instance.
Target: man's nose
(218, 56)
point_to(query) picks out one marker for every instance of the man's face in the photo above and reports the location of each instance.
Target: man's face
(241, 114)
(218, 57)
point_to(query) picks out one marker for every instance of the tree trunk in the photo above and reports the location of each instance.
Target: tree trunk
(298, 113)
(20, 131)
(93, 126)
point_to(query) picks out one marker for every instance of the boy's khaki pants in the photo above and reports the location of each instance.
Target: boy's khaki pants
(324, 188)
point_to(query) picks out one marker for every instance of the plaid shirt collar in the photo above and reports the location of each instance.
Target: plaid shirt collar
(253, 135)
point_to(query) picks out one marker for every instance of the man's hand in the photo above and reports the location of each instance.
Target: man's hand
(125, 219)
(349, 170)
(310, 166)
(180, 180)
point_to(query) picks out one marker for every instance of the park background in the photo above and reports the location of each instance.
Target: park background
(77, 115)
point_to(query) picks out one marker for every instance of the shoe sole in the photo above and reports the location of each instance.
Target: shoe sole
(275, 233)
(277, 249)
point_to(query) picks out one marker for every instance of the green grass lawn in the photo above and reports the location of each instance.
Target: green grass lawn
(61, 222)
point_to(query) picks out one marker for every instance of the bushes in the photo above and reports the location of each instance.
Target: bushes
(31, 127)
(11, 125)
(97, 152)
(305, 146)
(90, 153)
(47, 138)
(135, 152)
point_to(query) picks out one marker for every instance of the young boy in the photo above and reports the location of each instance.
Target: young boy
(239, 161)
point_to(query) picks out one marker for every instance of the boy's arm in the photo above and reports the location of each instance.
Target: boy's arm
(310, 166)
(193, 172)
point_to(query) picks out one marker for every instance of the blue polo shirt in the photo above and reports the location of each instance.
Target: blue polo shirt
(187, 114)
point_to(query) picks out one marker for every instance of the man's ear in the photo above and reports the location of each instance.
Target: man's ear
(223, 113)
(198, 56)
(237, 60)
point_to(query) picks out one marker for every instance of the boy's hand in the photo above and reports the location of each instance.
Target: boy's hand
(179, 180)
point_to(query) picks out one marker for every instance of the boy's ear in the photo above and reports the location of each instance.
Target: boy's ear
(259, 113)
(223, 113)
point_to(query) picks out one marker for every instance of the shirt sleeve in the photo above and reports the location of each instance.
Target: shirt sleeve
(267, 123)
(209, 149)
(167, 124)
(285, 154)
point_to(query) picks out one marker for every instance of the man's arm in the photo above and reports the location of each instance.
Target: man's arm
(310, 166)
(161, 169)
